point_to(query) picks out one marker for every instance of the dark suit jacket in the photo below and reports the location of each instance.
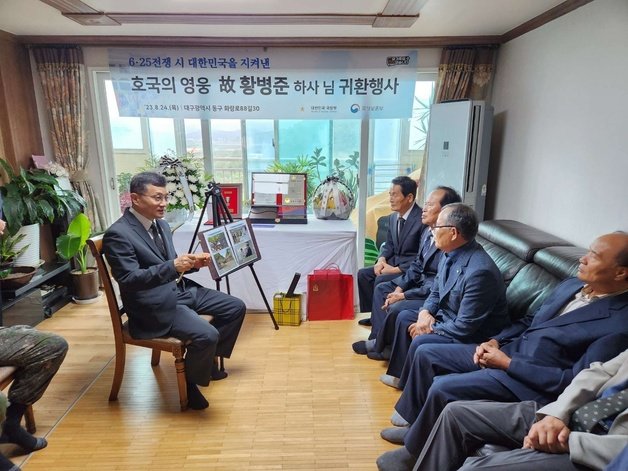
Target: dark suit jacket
(470, 305)
(147, 280)
(547, 356)
(401, 249)
(417, 281)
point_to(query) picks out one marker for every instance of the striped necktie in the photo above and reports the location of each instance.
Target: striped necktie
(157, 239)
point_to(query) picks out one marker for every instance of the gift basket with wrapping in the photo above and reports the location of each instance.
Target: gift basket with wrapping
(333, 199)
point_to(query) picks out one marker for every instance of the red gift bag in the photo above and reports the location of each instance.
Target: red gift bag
(329, 295)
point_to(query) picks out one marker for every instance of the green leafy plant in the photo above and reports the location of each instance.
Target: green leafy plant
(317, 161)
(73, 244)
(420, 119)
(124, 181)
(302, 164)
(8, 252)
(348, 171)
(34, 197)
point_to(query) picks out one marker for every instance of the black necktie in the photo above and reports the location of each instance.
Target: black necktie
(448, 263)
(157, 239)
(594, 416)
(400, 223)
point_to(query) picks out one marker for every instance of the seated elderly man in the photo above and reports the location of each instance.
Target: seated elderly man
(533, 360)
(402, 242)
(467, 302)
(409, 290)
(563, 435)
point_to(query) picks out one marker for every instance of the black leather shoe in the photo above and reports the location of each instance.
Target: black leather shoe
(217, 373)
(366, 322)
(359, 347)
(377, 356)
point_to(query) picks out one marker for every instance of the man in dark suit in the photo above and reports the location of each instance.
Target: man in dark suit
(467, 302)
(409, 290)
(559, 438)
(532, 360)
(402, 242)
(139, 249)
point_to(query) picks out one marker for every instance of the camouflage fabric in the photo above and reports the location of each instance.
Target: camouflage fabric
(4, 402)
(37, 356)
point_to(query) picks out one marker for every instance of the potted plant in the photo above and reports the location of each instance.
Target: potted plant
(10, 249)
(73, 246)
(11, 276)
(32, 198)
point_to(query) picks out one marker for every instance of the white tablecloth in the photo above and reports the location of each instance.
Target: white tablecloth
(285, 249)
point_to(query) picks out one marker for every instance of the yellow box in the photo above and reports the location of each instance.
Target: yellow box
(287, 310)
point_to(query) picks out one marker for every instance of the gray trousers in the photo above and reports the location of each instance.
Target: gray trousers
(207, 340)
(36, 355)
(465, 426)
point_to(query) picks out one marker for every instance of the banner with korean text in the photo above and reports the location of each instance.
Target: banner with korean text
(244, 83)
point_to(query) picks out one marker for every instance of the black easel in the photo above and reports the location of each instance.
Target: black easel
(222, 216)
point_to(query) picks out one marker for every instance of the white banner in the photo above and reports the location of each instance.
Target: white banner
(243, 83)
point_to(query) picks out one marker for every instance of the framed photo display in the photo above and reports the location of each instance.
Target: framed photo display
(230, 247)
(278, 198)
(232, 194)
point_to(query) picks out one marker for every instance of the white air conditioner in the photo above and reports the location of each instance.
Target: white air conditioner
(459, 149)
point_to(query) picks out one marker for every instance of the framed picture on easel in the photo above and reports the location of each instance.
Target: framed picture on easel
(231, 247)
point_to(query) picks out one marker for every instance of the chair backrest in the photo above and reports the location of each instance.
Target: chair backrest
(95, 245)
(382, 230)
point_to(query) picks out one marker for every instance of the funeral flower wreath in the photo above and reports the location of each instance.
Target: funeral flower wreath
(184, 182)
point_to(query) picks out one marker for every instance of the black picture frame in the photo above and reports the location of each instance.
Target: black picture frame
(231, 247)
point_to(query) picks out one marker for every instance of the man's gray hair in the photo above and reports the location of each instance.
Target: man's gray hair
(463, 218)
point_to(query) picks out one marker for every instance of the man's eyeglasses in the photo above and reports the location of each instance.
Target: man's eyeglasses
(158, 198)
(438, 227)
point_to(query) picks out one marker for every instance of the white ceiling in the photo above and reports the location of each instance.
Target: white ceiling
(437, 17)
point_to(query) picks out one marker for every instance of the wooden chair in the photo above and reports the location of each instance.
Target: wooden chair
(7, 375)
(122, 336)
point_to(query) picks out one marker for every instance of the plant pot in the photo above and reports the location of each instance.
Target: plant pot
(85, 284)
(18, 277)
(29, 258)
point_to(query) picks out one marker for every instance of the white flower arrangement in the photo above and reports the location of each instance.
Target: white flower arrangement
(57, 170)
(184, 182)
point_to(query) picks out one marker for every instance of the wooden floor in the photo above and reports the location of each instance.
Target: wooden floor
(295, 399)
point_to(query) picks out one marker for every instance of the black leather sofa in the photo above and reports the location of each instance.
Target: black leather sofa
(532, 261)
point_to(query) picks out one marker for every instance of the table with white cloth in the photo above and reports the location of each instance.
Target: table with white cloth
(285, 249)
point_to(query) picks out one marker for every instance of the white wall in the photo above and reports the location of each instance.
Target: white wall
(560, 145)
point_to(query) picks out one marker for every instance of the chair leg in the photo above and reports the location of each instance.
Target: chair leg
(155, 357)
(179, 365)
(119, 372)
(222, 363)
(29, 419)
